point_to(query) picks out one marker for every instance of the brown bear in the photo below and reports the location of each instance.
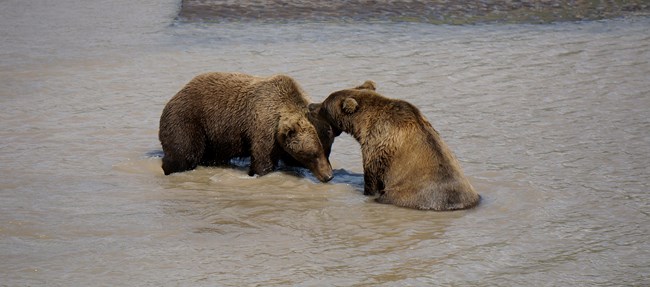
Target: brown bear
(405, 160)
(220, 116)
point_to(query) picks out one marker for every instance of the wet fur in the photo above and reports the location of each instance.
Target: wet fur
(405, 161)
(220, 116)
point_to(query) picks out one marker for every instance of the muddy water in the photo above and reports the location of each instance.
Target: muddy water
(550, 122)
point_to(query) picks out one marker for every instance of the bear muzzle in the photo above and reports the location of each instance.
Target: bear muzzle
(322, 169)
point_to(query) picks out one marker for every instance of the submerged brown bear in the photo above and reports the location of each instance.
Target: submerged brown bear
(404, 159)
(220, 116)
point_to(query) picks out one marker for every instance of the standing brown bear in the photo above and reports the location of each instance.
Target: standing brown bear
(220, 116)
(404, 158)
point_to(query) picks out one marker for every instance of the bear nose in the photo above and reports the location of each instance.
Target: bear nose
(327, 177)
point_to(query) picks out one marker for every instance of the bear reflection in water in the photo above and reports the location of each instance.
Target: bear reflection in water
(405, 161)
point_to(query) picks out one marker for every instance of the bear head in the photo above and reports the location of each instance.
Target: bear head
(326, 133)
(340, 108)
(301, 140)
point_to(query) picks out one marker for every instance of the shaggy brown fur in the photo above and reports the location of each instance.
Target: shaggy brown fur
(404, 158)
(220, 116)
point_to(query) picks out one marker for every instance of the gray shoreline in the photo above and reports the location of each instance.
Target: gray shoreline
(435, 12)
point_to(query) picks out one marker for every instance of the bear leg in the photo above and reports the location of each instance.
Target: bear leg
(373, 173)
(170, 165)
(372, 184)
(183, 148)
(260, 165)
(383, 199)
(262, 151)
(402, 198)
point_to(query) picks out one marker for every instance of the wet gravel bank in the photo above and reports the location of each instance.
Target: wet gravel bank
(436, 12)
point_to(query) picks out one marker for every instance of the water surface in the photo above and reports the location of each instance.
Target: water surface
(550, 123)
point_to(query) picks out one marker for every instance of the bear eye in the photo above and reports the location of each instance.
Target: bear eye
(290, 133)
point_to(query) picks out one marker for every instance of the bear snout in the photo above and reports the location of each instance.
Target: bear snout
(327, 177)
(323, 170)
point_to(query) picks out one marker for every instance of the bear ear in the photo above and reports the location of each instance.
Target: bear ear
(350, 105)
(367, 85)
(314, 107)
(286, 128)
